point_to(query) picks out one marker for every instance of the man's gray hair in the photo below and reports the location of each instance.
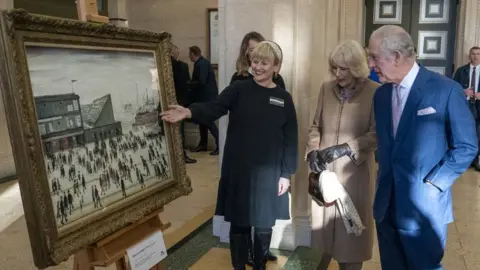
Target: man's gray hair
(394, 39)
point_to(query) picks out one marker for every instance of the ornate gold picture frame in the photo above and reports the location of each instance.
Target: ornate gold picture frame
(82, 103)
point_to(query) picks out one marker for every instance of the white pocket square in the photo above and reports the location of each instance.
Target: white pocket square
(426, 111)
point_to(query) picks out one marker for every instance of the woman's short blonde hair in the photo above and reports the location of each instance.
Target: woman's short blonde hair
(350, 54)
(268, 50)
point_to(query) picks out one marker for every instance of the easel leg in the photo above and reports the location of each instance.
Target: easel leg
(158, 267)
(82, 259)
(121, 264)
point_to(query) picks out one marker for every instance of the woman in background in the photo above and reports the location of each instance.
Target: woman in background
(244, 71)
(260, 153)
(373, 75)
(342, 136)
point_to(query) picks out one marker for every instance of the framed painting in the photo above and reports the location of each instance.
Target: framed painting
(82, 103)
(212, 34)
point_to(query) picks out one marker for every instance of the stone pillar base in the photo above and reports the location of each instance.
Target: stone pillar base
(119, 22)
(303, 231)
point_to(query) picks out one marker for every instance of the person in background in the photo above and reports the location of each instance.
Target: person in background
(372, 76)
(468, 76)
(181, 77)
(245, 72)
(346, 145)
(261, 152)
(426, 139)
(204, 87)
(243, 65)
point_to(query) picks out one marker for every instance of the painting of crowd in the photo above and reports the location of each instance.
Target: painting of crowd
(88, 178)
(97, 116)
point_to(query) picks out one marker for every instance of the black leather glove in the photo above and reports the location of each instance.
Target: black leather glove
(316, 164)
(330, 154)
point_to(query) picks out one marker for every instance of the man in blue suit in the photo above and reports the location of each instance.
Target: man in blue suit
(426, 139)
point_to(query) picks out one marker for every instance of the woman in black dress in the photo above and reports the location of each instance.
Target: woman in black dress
(245, 72)
(260, 153)
(243, 65)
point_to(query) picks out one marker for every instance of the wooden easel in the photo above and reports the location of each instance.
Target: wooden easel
(112, 249)
(88, 12)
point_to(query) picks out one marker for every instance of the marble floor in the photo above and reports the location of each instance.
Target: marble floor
(15, 251)
(463, 251)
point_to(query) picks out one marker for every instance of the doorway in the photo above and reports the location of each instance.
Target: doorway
(431, 23)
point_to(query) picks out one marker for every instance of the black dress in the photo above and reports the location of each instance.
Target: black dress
(261, 147)
(278, 80)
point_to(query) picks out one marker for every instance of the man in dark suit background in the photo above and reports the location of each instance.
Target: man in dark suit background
(181, 77)
(468, 76)
(204, 88)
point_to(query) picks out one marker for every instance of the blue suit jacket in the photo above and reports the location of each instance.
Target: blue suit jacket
(437, 147)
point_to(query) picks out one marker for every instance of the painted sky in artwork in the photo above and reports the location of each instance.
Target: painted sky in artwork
(92, 74)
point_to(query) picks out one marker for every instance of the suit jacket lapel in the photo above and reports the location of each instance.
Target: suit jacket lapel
(411, 106)
(466, 70)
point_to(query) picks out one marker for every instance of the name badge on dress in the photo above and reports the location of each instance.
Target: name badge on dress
(277, 101)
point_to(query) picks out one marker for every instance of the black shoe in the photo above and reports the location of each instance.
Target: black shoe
(271, 257)
(200, 149)
(215, 152)
(239, 250)
(250, 260)
(261, 246)
(189, 160)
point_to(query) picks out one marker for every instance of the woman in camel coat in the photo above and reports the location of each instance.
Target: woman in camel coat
(342, 137)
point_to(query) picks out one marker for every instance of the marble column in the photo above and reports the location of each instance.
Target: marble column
(117, 12)
(303, 49)
(7, 165)
(307, 31)
(6, 4)
(320, 26)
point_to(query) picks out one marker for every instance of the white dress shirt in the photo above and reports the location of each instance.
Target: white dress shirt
(400, 95)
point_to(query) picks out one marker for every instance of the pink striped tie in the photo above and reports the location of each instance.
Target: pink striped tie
(396, 107)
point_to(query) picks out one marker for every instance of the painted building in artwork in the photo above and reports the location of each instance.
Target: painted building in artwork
(59, 121)
(99, 120)
(64, 123)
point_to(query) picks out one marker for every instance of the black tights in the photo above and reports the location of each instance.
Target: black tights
(240, 239)
(248, 230)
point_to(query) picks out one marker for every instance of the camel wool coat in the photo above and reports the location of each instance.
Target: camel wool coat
(352, 122)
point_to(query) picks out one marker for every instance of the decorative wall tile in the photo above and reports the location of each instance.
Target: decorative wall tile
(387, 12)
(440, 70)
(432, 44)
(434, 11)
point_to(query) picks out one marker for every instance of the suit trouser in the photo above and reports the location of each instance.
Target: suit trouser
(212, 127)
(420, 249)
(182, 133)
(477, 122)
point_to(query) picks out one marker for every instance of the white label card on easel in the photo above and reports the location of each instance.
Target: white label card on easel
(147, 253)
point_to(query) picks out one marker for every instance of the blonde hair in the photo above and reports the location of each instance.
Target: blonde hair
(350, 54)
(268, 50)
